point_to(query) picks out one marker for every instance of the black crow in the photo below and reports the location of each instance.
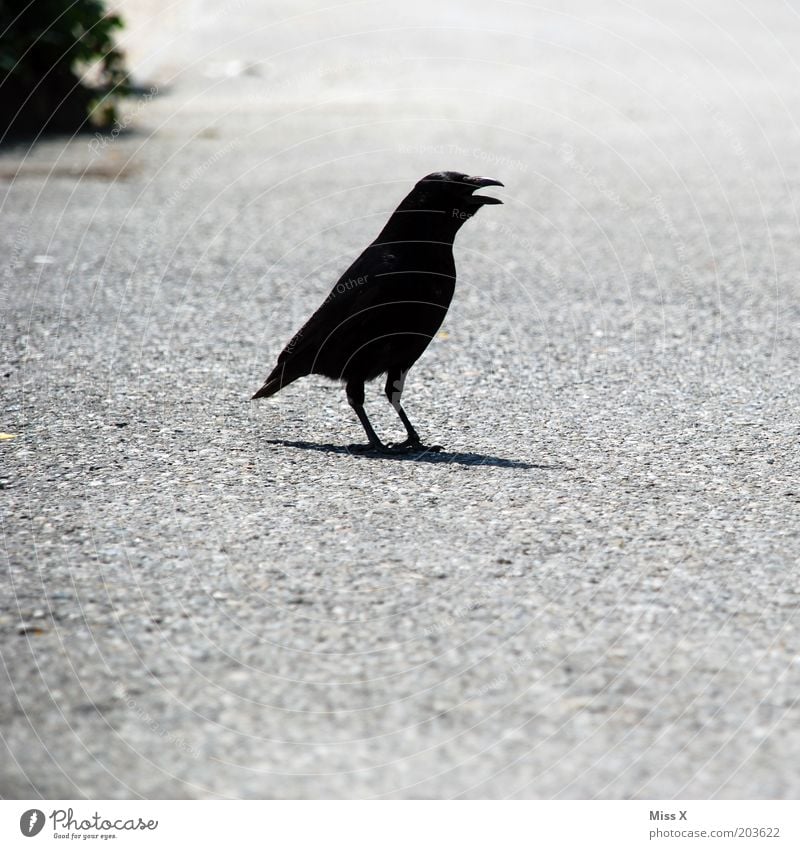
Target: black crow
(387, 306)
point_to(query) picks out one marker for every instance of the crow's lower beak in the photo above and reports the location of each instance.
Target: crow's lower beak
(486, 199)
(482, 183)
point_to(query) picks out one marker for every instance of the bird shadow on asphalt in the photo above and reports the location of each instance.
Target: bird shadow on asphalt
(440, 457)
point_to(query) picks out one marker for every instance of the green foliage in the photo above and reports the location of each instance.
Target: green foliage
(46, 46)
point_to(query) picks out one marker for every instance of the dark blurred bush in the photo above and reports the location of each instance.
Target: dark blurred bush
(60, 70)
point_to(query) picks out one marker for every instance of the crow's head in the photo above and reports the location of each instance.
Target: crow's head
(453, 193)
(436, 207)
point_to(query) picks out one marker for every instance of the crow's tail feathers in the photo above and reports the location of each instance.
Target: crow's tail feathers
(269, 388)
(275, 382)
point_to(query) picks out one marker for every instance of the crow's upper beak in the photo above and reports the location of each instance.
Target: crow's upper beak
(482, 183)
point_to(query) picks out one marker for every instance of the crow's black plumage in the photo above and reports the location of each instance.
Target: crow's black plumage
(388, 305)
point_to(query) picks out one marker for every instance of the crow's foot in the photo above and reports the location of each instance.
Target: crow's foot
(393, 448)
(409, 445)
(366, 449)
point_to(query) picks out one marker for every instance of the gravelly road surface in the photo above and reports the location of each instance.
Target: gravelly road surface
(591, 592)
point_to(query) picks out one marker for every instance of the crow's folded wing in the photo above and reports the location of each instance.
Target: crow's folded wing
(365, 284)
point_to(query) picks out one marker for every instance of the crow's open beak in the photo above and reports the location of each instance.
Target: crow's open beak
(482, 183)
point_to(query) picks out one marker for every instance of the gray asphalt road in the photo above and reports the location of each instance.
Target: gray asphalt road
(592, 592)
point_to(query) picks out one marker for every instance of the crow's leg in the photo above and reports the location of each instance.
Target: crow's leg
(355, 398)
(395, 381)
